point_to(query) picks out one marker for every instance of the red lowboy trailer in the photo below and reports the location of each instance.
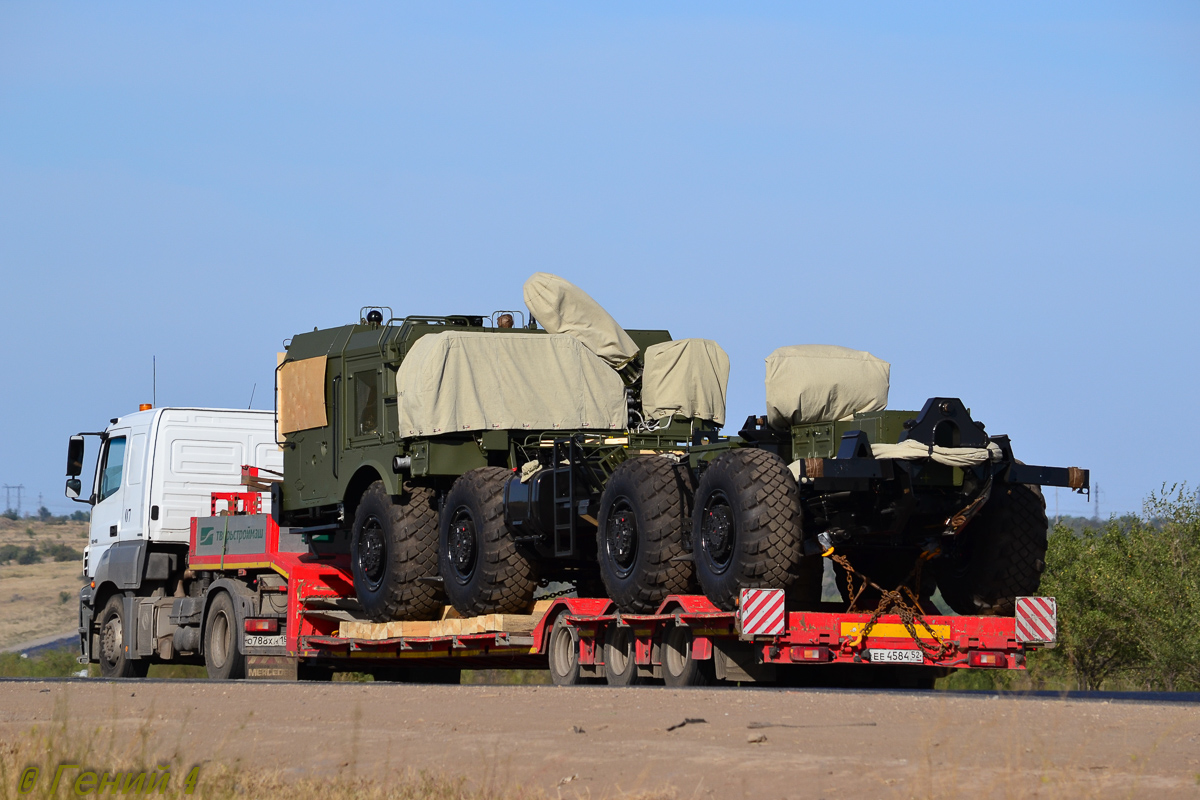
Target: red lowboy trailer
(290, 612)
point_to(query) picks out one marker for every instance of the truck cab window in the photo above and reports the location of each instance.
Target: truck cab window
(366, 403)
(112, 466)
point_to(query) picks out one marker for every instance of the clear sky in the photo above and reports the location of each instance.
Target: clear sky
(1003, 201)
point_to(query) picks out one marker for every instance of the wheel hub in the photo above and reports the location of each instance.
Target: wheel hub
(717, 533)
(622, 537)
(110, 640)
(462, 546)
(371, 549)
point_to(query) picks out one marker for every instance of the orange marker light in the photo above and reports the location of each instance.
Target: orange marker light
(145, 407)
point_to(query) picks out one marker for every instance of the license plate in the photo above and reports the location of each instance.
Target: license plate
(265, 641)
(890, 656)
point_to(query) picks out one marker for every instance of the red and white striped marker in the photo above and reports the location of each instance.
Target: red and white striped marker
(761, 612)
(1037, 619)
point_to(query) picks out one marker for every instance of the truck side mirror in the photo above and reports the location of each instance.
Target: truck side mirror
(74, 487)
(75, 460)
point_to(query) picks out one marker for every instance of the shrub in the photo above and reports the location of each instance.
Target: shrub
(9, 552)
(61, 552)
(29, 555)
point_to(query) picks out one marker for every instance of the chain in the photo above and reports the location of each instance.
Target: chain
(894, 600)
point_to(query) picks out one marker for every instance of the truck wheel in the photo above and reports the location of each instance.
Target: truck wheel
(562, 656)
(999, 556)
(644, 515)
(620, 662)
(483, 570)
(394, 545)
(678, 666)
(113, 663)
(222, 641)
(746, 526)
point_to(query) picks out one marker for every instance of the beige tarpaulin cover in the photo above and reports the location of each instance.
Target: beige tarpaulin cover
(461, 381)
(562, 307)
(823, 383)
(302, 395)
(686, 377)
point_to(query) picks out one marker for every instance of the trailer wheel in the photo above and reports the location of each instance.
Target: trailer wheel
(111, 653)
(678, 666)
(644, 516)
(620, 662)
(999, 556)
(562, 655)
(223, 656)
(394, 545)
(746, 526)
(483, 570)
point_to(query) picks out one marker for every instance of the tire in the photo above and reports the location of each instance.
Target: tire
(644, 520)
(111, 652)
(393, 546)
(746, 527)
(620, 667)
(483, 571)
(999, 556)
(562, 656)
(223, 657)
(678, 666)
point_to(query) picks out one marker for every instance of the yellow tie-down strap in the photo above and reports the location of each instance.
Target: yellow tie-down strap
(893, 630)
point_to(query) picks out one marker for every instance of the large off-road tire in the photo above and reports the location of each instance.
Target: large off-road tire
(483, 570)
(394, 545)
(999, 556)
(111, 652)
(644, 522)
(223, 657)
(746, 526)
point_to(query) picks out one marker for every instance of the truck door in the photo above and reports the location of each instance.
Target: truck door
(108, 511)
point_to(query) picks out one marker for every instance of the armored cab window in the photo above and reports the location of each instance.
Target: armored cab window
(366, 403)
(114, 465)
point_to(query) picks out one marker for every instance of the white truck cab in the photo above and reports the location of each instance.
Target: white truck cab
(155, 470)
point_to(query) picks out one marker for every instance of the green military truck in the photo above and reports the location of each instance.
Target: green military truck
(463, 458)
(925, 499)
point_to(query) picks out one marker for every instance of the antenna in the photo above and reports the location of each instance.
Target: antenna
(154, 380)
(252, 388)
(1096, 501)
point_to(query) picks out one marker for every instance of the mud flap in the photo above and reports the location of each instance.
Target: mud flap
(272, 668)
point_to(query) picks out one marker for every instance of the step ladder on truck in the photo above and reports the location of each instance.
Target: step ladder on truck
(288, 611)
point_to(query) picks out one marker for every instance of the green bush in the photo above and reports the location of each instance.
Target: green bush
(29, 555)
(9, 552)
(61, 552)
(1128, 599)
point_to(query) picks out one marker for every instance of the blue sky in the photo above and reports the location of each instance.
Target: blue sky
(1004, 203)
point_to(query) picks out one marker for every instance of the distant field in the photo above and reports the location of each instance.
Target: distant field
(41, 598)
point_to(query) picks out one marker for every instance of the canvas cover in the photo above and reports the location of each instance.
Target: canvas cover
(463, 381)
(823, 383)
(688, 377)
(562, 307)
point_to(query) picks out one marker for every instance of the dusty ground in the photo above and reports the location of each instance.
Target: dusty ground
(31, 604)
(601, 742)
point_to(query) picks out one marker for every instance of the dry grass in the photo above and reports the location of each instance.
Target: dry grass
(155, 753)
(31, 595)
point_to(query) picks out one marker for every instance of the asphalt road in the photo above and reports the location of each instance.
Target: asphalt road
(596, 741)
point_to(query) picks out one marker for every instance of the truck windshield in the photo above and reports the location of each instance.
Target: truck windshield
(113, 465)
